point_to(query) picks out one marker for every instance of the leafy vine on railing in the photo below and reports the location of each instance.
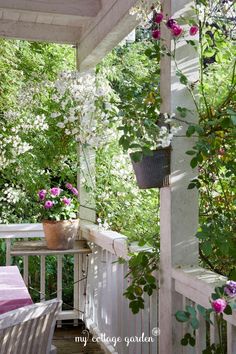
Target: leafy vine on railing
(140, 278)
(223, 301)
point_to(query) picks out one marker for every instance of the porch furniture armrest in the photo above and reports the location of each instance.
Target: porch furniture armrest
(29, 329)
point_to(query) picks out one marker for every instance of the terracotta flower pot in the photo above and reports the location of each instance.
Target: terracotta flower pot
(60, 235)
(153, 171)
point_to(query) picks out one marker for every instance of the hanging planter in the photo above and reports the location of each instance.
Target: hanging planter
(153, 171)
(60, 235)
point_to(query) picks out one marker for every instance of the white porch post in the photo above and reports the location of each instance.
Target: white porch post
(86, 174)
(179, 206)
(87, 211)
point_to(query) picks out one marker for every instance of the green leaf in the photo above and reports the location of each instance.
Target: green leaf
(142, 281)
(201, 310)
(194, 323)
(135, 306)
(138, 290)
(130, 296)
(209, 53)
(206, 247)
(148, 52)
(192, 341)
(215, 296)
(194, 162)
(143, 259)
(191, 310)
(150, 278)
(232, 274)
(136, 156)
(191, 185)
(183, 79)
(233, 119)
(182, 316)
(124, 142)
(228, 310)
(226, 123)
(184, 341)
(190, 131)
(191, 152)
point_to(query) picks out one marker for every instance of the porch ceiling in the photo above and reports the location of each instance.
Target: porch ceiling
(96, 26)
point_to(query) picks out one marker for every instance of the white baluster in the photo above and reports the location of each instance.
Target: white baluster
(42, 278)
(59, 282)
(8, 251)
(26, 269)
(231, 339)
(77, 285)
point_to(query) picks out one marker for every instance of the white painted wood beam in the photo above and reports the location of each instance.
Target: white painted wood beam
(111, 26)
(88, 8)
(39, 32)
(178, 205)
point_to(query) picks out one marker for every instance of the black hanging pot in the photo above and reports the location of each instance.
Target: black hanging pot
(153, 171)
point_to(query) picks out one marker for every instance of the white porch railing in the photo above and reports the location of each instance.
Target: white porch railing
(194, 285)
(9, 233)
(107, 312)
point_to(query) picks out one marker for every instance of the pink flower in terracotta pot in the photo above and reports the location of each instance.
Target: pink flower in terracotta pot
(42, 194)
(66, 201)
(48, 204)
(55, 191)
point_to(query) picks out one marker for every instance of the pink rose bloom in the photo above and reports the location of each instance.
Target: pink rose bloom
(230, 288)
(159, 17)
(48, 204)
(176, 30)
(55, 191)
(69, 186)
(66, 201)
(42, 194)
(170, 23)
(74, 191)
(156, 34)
(219, 305)
(193, 30)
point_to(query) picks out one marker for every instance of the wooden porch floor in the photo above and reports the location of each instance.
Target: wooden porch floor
(64, 341)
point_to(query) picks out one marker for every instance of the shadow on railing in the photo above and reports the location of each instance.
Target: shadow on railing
(107, 312)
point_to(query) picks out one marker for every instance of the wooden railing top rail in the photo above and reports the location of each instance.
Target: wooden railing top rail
(21, 230)
(197, 284)
(109, 240)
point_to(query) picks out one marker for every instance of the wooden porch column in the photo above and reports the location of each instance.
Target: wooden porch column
(87, 211)
(86, 174)
(179, 206)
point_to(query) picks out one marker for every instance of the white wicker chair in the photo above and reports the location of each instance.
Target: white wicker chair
(29, 329)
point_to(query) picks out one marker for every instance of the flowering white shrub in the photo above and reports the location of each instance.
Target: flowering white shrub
(82, 106)
(10, 196)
